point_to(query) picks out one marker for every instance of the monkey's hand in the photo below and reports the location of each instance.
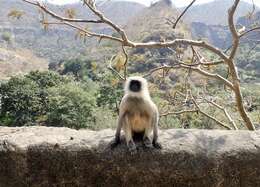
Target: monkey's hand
(132, 147)
(115, 142)
(148, 143)
(157, 145)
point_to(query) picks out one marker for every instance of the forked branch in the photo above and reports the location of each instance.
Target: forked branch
(233, 84)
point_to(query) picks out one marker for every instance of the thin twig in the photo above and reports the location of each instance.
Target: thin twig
(179, 112)
(181, 15)
(58, 17)
(248, 31)
(209, 116)
(196, 69)
(127, 43)
(234, 84)
(225, 112)
(113, 69)
(126, 61)
(233, 29)
(197, 110)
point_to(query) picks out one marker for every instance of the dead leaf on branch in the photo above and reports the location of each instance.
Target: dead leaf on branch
(45, 26)
(114, 82)
(70, 13)
(119, 62)
(15, 14)
(80, 35)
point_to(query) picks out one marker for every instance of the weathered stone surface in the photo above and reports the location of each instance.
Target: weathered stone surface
(41, 156)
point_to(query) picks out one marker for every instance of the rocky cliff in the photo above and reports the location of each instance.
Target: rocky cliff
(41, 156)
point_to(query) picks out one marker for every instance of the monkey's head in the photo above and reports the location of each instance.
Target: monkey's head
(136, 86)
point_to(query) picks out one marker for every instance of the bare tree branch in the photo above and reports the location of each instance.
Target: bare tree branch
(233, 29)
(209, 116)
(179, 112)
(125, 63)
(248, 31)
(107, 21)
(196, 110)
(243, 35)
(58, 17)
(182, 14)
(114, 70)
(92, 34)
(225, 112)
(196, 69)
(234, 84)
(233, 69)
(127, 43)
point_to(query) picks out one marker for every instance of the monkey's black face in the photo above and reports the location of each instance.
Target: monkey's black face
(135, 86)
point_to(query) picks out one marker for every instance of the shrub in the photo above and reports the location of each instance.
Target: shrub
(110, 92)
(71, 106)
(20, 101)
(7, 36)
(80, 68)
(47, 79)
(49, 98)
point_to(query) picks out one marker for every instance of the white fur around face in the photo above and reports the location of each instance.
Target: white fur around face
(144, 88)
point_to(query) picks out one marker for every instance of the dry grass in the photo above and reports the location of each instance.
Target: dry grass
(19, 62)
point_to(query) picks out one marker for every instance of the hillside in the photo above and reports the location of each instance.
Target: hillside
(250, 23)
(152, 24)
(153, 21)
(215, 13)
(141, 24)
(220, 35)
(57, 43)
(19, 62)
(118, 11)
(217, 35)
(187, 79)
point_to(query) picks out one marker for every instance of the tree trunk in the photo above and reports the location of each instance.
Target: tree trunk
(238, 95)
(240, 106)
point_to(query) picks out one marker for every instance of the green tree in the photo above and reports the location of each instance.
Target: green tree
(7, 36)
(110, 92)
(80, 68)
(70, 105)
(20, 101)
(49, 98)
(47, 79)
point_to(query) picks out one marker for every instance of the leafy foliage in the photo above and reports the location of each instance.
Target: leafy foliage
(7, 36)
(110, 89)
(46, 97)
(20, 101)
(110, 92)
(91, 98)
(70, 105)
(80, 68)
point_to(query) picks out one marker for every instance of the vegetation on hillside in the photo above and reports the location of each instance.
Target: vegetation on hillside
(194, 84)
(47, 98)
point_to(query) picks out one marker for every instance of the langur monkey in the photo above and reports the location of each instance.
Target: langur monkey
(137, 114)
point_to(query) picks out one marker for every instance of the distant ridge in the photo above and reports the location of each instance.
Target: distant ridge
(153, 21)
(215, 13)
(59, 43)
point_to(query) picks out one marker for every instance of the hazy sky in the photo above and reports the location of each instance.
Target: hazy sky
(147, 2)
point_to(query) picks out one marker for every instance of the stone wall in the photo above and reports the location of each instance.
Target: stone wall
(42, 157)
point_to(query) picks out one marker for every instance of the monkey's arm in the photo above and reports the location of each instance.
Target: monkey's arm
(120, 122)
(118, 131)
(155, 122)
(119, 127)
